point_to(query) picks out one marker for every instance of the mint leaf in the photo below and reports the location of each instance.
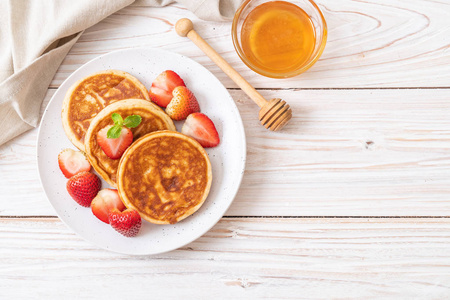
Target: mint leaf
(114, 132)
(132, 121)
(117, 119)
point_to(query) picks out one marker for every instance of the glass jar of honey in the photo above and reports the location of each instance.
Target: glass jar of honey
(279, 39)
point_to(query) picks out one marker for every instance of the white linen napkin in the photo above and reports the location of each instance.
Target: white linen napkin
(36, 35)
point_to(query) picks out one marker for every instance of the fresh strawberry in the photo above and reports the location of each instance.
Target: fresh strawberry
(162, 87)
(114, 148)
(182, 104)
(202, 129)
(104, 202)
(72, 162)
(114, 140)
(127, 222)
(83, 187)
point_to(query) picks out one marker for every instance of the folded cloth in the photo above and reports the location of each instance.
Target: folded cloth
(211, 10)
(36, 35)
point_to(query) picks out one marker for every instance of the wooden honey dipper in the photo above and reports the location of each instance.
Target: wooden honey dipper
(273, 114)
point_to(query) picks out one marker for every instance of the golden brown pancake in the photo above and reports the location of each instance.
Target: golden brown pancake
(153, 119)
(165, 176)
(88, 96)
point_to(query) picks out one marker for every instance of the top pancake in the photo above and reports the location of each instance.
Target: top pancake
(153, 119)
(88, 96)
(165, 176)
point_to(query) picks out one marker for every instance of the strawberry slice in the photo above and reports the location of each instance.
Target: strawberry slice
(114, 140)
(182, 104)
(72, 162)
(83, 187)
(105, 201)
(202, 129)
(114, 148)
(127, 222)
(162, 87)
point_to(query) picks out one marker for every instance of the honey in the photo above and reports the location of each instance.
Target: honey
(278, 37)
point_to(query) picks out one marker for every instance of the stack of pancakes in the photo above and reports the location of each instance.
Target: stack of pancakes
(164, 175)
(88, 96)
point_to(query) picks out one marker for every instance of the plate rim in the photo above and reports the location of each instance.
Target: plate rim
(217, 218)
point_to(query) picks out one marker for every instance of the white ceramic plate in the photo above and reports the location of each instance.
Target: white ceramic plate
(227, 160)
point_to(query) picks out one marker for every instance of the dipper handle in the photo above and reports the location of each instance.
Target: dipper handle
(184, 27)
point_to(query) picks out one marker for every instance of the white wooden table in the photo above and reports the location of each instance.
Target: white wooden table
(350, 201)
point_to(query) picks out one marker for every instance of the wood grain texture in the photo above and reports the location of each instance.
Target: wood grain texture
(379, 43)
(374, 151)
(239, 258)
(349, 152)
(345, 153)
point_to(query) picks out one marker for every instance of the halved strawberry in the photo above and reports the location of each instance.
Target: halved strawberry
(105, 201)
(72, 162)
(114, 148)
(127, 222)
(182, 104)
(114, 140)
(202, 129)
(83, 187)
(162, 87)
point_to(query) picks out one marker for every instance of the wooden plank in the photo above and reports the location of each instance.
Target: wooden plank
(345, 153)
(240, 258)
(379, 43)
(349, 153)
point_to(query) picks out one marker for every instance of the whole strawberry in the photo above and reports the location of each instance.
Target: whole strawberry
(83, 187)
(127, 222)
(183, 104)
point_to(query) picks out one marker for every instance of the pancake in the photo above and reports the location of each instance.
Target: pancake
(165, 176)
(153, 119)
(88, 96)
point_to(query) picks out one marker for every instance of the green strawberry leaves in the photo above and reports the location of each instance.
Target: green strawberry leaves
(130, 122)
